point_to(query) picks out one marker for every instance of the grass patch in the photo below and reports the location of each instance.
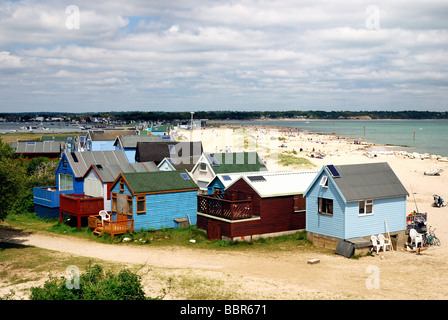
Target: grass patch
(29, 222)
(32, 136)
(289, 160)
(193, 287)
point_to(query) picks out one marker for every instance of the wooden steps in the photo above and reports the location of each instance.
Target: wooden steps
(98, 231)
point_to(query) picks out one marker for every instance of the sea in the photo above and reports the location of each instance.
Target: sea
(421, 136)
(39, 127)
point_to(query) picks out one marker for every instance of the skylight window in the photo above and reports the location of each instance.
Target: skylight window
(256, 178)
(185, 176)
(324, 182)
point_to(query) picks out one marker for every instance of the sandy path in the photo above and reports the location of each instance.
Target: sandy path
(401, 274)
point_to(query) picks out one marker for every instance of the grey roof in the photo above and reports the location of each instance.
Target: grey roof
(81, 161)
(37, 146)
(109, 135)
(183, 163)
(157, 151)
(109, 172)
(368, 181)
(130, 141)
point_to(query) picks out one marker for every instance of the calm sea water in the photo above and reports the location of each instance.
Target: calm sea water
(37, 127)
(431, 136)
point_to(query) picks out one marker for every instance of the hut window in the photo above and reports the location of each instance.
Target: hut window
(326, 206)
(114, 202)
(324, 182)
(203, 166)
(65, 182)
(141, 205)
(129, 204)
(299, 203)
(366, 207)
(121, 185)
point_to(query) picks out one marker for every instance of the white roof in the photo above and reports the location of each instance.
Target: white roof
(278, 183)
(229, 178)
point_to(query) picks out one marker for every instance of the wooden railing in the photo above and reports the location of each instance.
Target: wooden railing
(47, 196)
(119, 226)
(80, 204)
(217, 206)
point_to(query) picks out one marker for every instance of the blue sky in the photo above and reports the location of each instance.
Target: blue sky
(223, 55)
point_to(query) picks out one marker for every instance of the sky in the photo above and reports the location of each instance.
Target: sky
(191, 55)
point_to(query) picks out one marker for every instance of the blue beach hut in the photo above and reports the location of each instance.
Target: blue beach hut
(355, 201)
(70, 178)
(155, 200)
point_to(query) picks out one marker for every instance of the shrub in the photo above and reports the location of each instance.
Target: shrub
(94, 284)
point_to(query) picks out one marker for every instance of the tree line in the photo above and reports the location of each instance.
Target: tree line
(241, 115)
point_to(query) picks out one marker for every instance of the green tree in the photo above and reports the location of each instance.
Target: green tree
(12, 178)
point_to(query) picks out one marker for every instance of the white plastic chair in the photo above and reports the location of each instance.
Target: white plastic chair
(416, 237)
(384, 242)
(104, 216)
(376, 244)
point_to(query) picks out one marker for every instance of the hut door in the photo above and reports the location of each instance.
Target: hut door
(93, 188)
(213, 230)
(122, 202)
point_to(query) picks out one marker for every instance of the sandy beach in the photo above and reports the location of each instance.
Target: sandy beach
(409, 167)
(286, 275)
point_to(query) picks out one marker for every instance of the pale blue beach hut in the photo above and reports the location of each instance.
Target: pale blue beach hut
(355, 201)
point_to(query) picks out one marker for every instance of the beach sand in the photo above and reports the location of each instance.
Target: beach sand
(405, 273)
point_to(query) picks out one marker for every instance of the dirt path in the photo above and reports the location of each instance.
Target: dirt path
(398, 274)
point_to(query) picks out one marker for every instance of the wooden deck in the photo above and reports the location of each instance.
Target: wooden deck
(119, 226)
(79, 206)
(216, 205)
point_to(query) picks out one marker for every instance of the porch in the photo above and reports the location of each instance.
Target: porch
(219, 205)
(48, 196)
(79, 206)
(119, 226)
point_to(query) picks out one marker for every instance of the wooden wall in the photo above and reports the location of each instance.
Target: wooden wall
(276, 215)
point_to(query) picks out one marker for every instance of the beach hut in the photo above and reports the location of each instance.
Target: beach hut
(256, 205)
(163, 130)
(128, 143)
(70, 179)
(103, 140)
(99, 178)
(354, 202)
(35, 149)
(155, 200)
(157, 151)
(211, 164)
(70, 142)
(178, 163)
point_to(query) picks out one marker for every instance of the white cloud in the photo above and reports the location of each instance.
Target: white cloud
(219, 54)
